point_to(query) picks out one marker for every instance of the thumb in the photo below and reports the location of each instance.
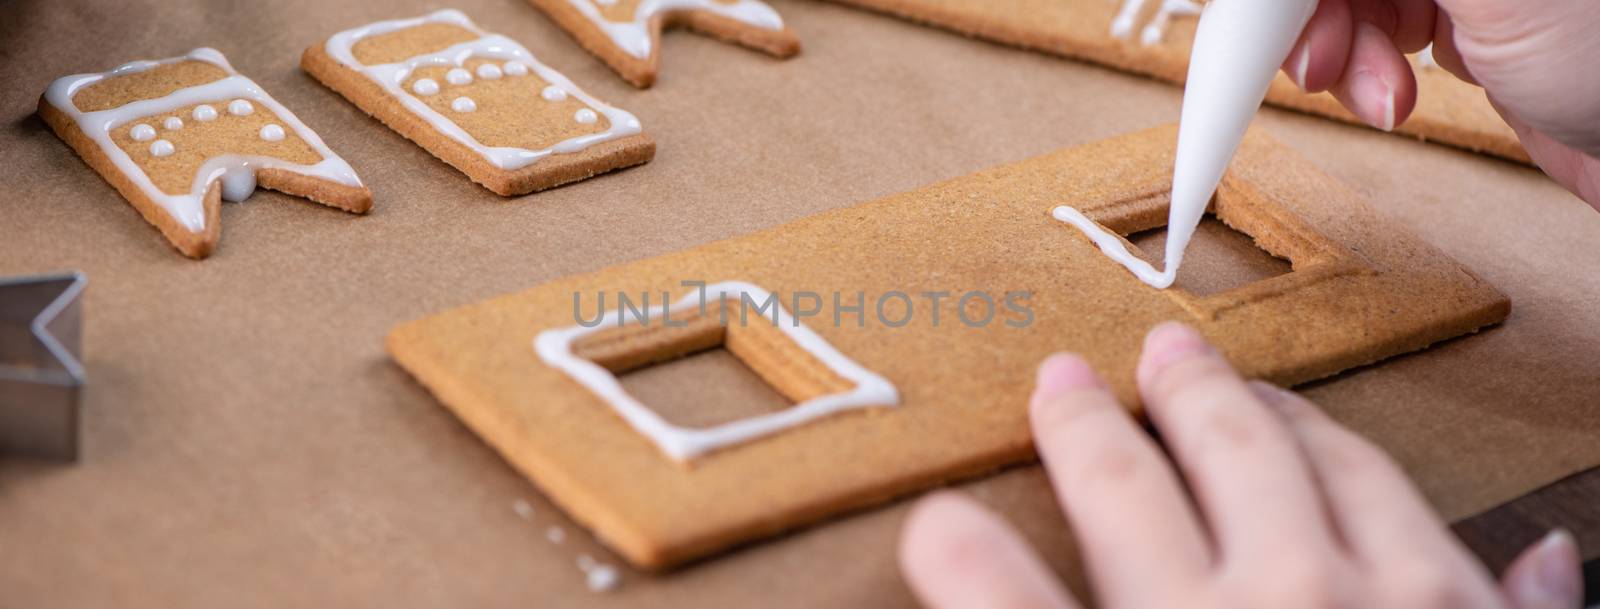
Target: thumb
(1547, 575)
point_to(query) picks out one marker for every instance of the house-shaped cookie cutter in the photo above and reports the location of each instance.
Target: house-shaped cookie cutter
(41, 375)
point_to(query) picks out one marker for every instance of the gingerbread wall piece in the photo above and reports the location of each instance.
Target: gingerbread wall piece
(1153, 38)
(478, 101)
(177, 136)
(626, 34)
(1360, 290)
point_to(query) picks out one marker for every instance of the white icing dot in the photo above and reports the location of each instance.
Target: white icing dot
(237, 183)
(556, 535)
(602, 578)
(272, 132)
(554, 93)
(161, 148)
(172, 123)
(586, 116)
(241, 107)
(142, 133)
(523, 509)
(516, 68)
(489, 71)
(204, 113)
(425, 86)
(458, 76)
(463, 104)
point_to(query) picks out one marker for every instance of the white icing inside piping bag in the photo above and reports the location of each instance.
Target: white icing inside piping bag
(1238, 47)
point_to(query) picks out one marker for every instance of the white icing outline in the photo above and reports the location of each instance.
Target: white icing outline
(633, 37)
(189, 208)
(684, 443)
(1156, 29)
(1112, 246)
(391, 76)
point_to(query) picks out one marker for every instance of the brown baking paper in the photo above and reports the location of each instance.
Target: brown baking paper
(248, 443)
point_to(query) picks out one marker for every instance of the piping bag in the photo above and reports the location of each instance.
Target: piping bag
(1238, 47)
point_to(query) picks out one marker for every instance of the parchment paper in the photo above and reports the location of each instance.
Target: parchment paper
(249, 443)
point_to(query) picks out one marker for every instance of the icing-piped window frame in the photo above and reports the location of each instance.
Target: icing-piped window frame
(1313, 258)
(558, 349)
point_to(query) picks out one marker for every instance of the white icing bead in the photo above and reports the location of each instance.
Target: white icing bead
(238, 183)
(516, 68)
(241, 107)
(458, 76)
(463, 104)
(586, 116)
(204, 113)
(142, 133)
(425, 86)
(554, 93)
(162, 148)
(272, 132)
(489, 71)
(172, 123)
(602, 578)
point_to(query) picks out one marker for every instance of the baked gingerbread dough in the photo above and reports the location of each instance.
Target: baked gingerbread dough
(626, 34)
(1448, 110)
(1361, 289)
(176, 136)
(478, 101)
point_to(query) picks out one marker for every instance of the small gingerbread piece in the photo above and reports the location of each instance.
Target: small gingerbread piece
(479, 101)
(626, 34)
(177, 136)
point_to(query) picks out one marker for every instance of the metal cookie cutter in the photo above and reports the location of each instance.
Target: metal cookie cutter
(41, 377)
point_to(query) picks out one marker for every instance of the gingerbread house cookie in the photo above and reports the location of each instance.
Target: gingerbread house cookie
(1154, 37)
(626, 34)
(177, 136)
(478, 101)
(910, 366)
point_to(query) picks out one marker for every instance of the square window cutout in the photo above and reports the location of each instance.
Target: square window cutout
(1247, 248)
(1219, 258)
(732, 339)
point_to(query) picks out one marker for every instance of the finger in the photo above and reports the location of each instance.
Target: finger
(1374, 506)
(1241, 462)
(1547, 575)
(1445, 52)
(1128, 510)
(1409, 24)
(1318, 58)
(1377, 84)
(957, 555)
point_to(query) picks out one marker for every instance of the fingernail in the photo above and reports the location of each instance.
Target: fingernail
(1302, 65)
(1556, 581)
(1375, 97)
(1171, 342)
(1061, 373)
(1269, 393)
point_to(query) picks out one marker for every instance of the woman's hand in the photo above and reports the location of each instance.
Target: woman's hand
(1536, 60)
(1271, 505)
